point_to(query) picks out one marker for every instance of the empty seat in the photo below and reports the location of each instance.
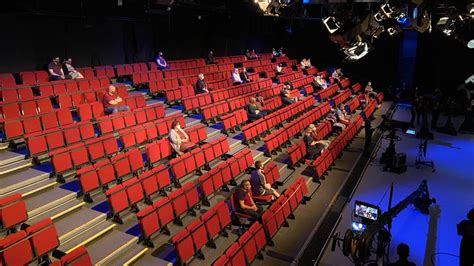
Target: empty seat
(77, 257)
(118, 202)
(184, 246)
(12, 211)
(15, 249)
(43, 237)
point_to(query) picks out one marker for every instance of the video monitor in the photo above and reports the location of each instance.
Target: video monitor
(366, 210)
(411, 131)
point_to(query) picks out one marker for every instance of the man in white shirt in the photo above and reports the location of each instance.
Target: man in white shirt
(236, 77)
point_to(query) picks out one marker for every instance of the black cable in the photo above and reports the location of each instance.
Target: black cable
(441, 253)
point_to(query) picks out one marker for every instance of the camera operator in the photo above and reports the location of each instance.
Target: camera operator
(466, 230)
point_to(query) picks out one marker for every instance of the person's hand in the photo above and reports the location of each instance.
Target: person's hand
(62, 77)
(254, 208)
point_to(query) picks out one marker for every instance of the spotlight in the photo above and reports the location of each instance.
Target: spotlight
(387, 10)
(331, 24)
(394, 30)
(470, 44)
(357, 51)
(379, 16)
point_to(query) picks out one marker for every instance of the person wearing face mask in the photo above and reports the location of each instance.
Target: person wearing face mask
(260, 187)
(179, 140)
(112, 102)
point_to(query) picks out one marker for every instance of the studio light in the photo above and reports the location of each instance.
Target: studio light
(332, 25)
(470, 44)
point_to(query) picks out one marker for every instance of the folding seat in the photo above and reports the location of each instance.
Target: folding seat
(149, 224)
(216, 146)
(45, 91)
(223, 214)
(10, 110)
(117, 121)
(179, 203)
(256, 230)
(150, 114)
(140, 135)
(121, 166)
(43, 237)
(77, 257)
(94, 84)
(192, 196)
(61, 161)
(16, 249)
(72, 134)
(79, 154)
(197, 230)
(83, 85)
(27, 78)
(58, 88)
(129, 119)
(105, 172)
(153, 154)
(110, 145)
(127, 137)
(162, 176)
(118, 202)
(178, 168)
(41, 76)
(135, 159)
(104, 82)
(164, 210)
(44, 105)
(54, 139)
(184, 247)
(134, 193)
(88, 181)
(31, 124)
(221, 261)
(64, 117)
(248, 245)
(105, 125)
(235, 254)
(131, 102)
(140, 117)
(28, 108)
(140, 101)
(189, 162)
(12, 211)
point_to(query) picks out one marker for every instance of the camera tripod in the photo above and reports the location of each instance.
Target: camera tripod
(422, 148)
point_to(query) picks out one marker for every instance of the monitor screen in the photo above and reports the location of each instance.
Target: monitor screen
(365, 210)
(410, 131)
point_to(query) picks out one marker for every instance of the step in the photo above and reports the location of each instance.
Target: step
(233, 143)
(17, 180)
(58, 211)
(49, 199)
(171, 111)
(236, 148)
(258, 155)
(209, 139)
(36, 187)
(87, 236)
(191, 121)
(3, 145)
(149, 259)
(15, 166)
(130, 256)
(155, 101)
(8, 157)
(212, 131)
(103, 250)
(72, 224)
(281, 166)
(285, 174)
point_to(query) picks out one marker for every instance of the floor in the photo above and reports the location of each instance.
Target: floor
(430, 237)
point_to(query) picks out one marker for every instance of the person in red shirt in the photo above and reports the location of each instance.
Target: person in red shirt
(112, 102)
(243, 201)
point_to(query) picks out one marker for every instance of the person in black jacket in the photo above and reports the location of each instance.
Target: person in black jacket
(201, 85)
(244, 76)
(253, 112)
(210, 58)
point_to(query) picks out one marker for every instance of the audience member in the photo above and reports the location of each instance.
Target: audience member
(260, 102)
(244, 76)
(161, 62)
(303, 63)
(331, 117)
(275, 52)
(260, 187)
(71, 71)
(253, 55)
(247, 54)
(201, 85)
(278, 70)
(403, 251)
(112, 102)
(55, 70)
(341, 117)
(236, 77)
(363, 98)
(313, 148)
(317, 138)
(243, 201)
(210, 58)
(285, 96)
(370, 90)
(178, 138)
(320, 83)
(253, 112)
(280, 51)
(308, 63)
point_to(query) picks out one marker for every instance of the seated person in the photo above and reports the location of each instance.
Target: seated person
(369, 90)
(179, 140)
(112, 102)
(244, 76)
(278, 70)
(275, 52)
(260, 101)
(253, 54)
(210, 58)
(337, 75)
(201, 85)
(320, 83)
(247, 54)
(341, 117)
(260, 187)
(71, 71)
(280, 51)
(161, 62)
(308, 63)
(303, 63)
(243, 201)
(331, 117)
(285, 95)
(363, 98)
(253, 112)
(313, 148)
(317, 138)
(236, 77)
(55, 70)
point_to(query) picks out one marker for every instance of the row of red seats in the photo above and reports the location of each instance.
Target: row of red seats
(290, 76)
(234, 120)
(312, 71)
(255, 63)
(369, 109)
(173, 73)
(57, 88)
(352, 105)
(189, 241)
(277, 214)
(243, 252)
(16, 110)
(219, 84)
(130, 69)
(327, 158)
(186, 63)
(326, 93)
(176, 94)
(35, 243)
(345, 83)
(281, 59)
(300, 82)
(283, 135)
(12, 212)
(379, 97)
(356, 87)
(73, 100)
(309, 90)
(264, 68)
(268, 94)
(198, 157)
(212, 111)
(297, 152)
(225, 66)
(223, 174)
(231, 59)
(341, 97)
(255, 129)
(233, 91)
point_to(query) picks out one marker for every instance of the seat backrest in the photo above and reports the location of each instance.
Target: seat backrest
(15, 249)
(77, 257)
(43, 237)
(12, 211)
